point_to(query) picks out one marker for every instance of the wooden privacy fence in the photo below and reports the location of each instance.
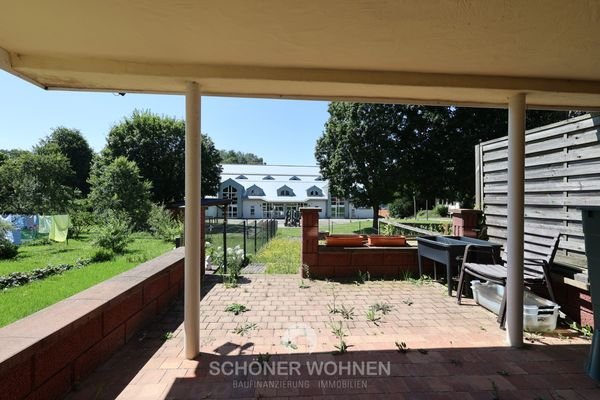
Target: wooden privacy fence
(562, 173)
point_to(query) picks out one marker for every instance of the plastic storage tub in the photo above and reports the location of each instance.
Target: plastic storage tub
(539, 314)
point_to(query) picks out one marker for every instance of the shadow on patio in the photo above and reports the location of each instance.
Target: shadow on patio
(452, 351)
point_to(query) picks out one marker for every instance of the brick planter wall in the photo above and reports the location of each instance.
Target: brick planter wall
(346, 262)
(44, 354)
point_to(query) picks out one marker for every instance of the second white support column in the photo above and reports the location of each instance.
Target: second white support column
(515, 220)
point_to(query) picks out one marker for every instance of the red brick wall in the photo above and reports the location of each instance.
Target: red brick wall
(44, 354)
(325, 262)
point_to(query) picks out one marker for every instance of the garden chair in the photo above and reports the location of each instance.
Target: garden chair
(539, 255)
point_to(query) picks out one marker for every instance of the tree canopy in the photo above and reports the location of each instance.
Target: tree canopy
(373, 153)
(157, 145)
(35, 182)
(76, 149)
(360, 152)
(238, 157)
(117, 186)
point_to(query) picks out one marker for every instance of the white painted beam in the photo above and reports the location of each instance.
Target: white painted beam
(193, 140)
(516, 221)
(199, 72)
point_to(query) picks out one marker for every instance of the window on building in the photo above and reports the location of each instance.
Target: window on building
(285, 191)
(338, 208)
(252, 211)
(230, 192)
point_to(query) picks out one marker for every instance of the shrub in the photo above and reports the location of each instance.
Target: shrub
(113, 231)
(441, 210)
(80, 217)
(8, 250)
(5, 227)
(401, 207)
(102, 255)
(163, 225)
(16, 279)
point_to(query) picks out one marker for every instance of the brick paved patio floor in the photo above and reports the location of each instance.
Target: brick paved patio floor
(454, 352)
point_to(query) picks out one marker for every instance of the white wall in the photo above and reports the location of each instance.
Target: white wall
(356, 212)
(211, 212)
(322, 204)
(257, 209)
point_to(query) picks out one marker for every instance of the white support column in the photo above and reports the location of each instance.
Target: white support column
(516, 221)
(193, 140)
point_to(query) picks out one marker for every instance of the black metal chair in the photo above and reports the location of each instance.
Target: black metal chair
(539, 255)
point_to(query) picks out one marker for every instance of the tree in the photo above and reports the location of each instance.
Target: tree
(361, 151)
(117, 186)
(35, 182)
(374, 153)
(157, 145)
(76, 149)
(238, 157)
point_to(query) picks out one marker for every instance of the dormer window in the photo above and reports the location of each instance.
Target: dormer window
(314, 191)
(255, 191)
(294, 178)
(241, 177)
(285, 191)
(268, 178)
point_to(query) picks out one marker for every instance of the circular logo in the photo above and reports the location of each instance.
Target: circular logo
(299, 337)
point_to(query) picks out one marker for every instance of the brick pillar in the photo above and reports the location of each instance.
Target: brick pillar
(465, 222)
(310, 237)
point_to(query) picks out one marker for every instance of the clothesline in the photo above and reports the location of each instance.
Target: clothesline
(29, 227)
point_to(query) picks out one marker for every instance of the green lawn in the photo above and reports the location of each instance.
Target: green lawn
(16, 303)
(282, 253)
(363, 226)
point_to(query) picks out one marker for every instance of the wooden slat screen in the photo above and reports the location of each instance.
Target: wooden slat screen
(562, 173)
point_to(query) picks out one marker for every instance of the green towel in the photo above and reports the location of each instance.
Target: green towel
(45, 224)
(60, 228)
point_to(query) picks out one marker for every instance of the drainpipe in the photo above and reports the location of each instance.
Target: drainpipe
(515, 221)
(193, 140)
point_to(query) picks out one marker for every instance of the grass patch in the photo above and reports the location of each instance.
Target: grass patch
(363, 226)
(282, 254)
(16, 303)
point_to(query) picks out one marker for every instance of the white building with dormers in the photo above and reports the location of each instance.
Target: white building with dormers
(269, 191)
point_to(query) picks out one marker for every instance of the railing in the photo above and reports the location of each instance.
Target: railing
(396, 228)
(249, 235)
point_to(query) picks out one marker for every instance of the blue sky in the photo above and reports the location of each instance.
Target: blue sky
(280, 131)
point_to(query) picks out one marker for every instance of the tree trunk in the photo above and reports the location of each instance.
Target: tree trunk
(375, 217)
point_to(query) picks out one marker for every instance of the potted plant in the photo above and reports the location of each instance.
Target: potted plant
(386, 241)
(344, 240)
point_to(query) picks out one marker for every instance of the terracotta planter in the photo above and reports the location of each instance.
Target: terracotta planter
(344, 241)
(387, 241)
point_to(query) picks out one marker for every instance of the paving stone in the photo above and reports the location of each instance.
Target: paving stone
(453, 352)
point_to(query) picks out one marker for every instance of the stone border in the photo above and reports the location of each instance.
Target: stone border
(44, 354)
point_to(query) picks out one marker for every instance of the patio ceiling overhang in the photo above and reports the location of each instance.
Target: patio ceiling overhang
(430, 52)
